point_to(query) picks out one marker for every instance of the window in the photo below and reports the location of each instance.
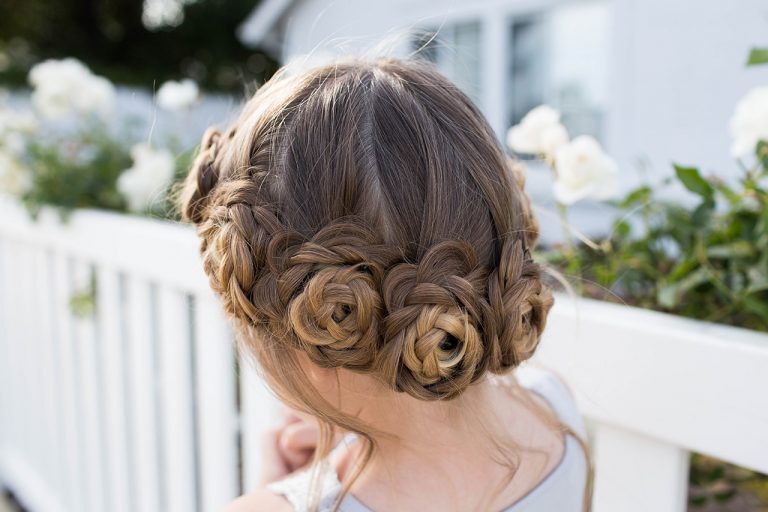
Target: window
(456, 51)
(560, 57)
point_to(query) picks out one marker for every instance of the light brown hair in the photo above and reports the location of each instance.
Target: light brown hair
(363, 213)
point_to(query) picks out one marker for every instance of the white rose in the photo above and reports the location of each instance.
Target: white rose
(63, 87)
(584, 170)
(145, 182)
(749, 124)
(176, 96)
(539, 133)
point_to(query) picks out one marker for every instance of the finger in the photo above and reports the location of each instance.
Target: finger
(298, 460)
(299, 436)
(297, 444)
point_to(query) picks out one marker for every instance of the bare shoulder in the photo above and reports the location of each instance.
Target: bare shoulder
(259, 501)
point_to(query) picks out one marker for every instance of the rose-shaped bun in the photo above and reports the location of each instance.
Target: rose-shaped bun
(336, 317)
(432, 347)
(439, 343)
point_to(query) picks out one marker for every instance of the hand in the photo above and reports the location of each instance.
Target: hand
(288, 447)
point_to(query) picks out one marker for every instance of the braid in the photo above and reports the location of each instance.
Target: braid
(433, 336)
(202, 178)
(520, 301)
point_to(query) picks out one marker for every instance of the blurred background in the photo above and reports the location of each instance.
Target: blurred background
(654, 81)
(102, 105)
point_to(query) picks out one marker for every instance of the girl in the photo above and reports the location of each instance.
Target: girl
(372, 244)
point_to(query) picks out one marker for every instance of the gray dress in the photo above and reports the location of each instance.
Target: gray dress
(562, 490)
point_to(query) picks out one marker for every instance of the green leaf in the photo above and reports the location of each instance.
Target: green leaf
(622, 229)
(757, 307)
(762, 153)
(682, 269)
(669, 294)
(693, 181)
(637, 197)
(757, 56)
(703, 213)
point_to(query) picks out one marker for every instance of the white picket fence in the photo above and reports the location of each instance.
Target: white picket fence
(143, 404)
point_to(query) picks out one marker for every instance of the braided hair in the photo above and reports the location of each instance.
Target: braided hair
(363, 214)
(361, 220)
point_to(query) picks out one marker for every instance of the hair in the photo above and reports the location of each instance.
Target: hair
(364, 214)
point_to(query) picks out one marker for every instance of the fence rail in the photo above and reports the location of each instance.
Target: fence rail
(120, 389)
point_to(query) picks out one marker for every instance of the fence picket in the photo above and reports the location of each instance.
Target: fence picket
(75, 489)
(12, 401)
(145, 472)
(90, 388)
(114, 363)
(5, 354)
(216, 413)
(20, 336)
(259, 411)
(48, 398)
(177, 395)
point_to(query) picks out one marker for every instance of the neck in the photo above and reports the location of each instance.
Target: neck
(443, 455)
(416, 432)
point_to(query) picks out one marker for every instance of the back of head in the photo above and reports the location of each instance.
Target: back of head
(364, 214)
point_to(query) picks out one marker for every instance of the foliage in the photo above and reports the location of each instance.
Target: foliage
(720, 486)
(82, 302)
(76, 172)
(81, 170)
(71, 151)
(707, 261)
(113, 39)
(757, 56)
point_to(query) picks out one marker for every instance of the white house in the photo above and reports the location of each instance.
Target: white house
(655, 80)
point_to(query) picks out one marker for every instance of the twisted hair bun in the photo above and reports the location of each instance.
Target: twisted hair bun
(364, 215)
(433, 348)
(336, 315)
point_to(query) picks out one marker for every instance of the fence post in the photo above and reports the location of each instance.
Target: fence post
(634, 473)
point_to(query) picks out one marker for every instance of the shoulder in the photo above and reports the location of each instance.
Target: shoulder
(259, 501)
(554, 390)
